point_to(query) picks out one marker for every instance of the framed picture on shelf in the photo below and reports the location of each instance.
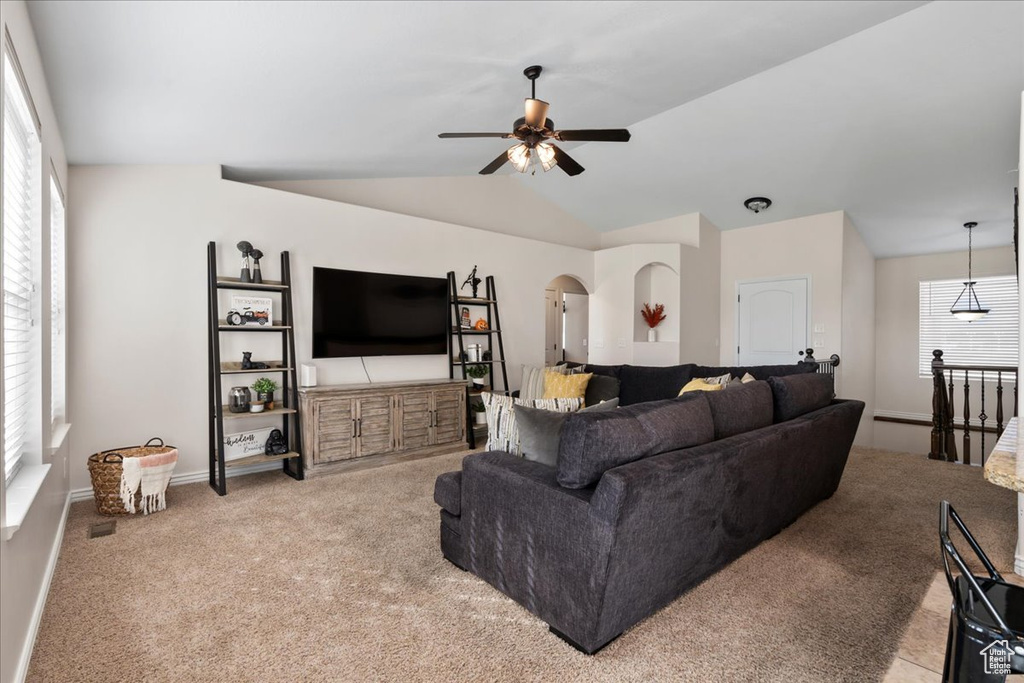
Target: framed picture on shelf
(251, 310)
(245, 444)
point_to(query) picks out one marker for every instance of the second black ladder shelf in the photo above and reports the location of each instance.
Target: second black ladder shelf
(457, 355)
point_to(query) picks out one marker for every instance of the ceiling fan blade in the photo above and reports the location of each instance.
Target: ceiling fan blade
(566, 162)
(536, 112)
(495, 165)
(601, 135)
(474, 135)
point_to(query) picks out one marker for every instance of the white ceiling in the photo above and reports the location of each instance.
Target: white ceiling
(906, 116)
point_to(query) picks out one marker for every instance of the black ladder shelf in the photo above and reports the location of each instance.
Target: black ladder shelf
(457, 356)
(288, 408)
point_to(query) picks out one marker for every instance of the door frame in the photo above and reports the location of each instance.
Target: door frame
(759, 280)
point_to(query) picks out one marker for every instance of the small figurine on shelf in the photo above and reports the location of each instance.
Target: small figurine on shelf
(246, 249)
(473, 281)
(481, 324)
(465, 317)
(257, 274)
(249, 364)
(275, 443)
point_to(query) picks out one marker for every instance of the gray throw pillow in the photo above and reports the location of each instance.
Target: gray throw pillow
(540, 430)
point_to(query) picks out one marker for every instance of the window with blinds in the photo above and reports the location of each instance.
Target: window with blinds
(993, 340)
(57, 295)
(20, 224)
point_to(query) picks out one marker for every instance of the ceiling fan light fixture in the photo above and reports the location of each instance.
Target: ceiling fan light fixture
(519, 157)
(970, 309)
(546, 156)
(536, 112)
(523, 158)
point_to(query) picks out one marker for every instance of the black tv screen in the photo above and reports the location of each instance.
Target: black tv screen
(374, 314)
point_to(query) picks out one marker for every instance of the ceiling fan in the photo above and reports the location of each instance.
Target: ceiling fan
(536, 134)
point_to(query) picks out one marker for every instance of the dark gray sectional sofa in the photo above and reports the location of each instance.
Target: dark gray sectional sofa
(646, 500)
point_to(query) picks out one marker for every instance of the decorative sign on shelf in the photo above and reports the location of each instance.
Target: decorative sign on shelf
(244, 444)
(251, 310)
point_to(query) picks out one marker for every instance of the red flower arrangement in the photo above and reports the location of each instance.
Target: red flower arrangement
(653, 316)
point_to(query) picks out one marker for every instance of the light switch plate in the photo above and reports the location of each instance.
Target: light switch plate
(819, 327)
(819, 341)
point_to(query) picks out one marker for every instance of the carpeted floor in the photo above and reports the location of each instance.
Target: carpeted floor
(341, 579)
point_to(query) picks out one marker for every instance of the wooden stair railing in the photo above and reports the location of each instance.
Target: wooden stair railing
(944, 378)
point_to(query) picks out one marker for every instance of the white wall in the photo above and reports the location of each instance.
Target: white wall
(699, 282)
(500, 203)
(858, 328)
(899, 390)
(28, 557)
(139, 363)
(810, 246)
(684, 229)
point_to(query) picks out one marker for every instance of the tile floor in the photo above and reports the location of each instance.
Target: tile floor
(923, 648)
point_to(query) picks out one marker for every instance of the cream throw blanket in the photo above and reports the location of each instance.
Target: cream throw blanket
(154, 473)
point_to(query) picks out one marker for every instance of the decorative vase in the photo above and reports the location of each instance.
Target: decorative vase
(480, 418)
(267, 397)
(478, 382)
(239, 399)
(652, 335)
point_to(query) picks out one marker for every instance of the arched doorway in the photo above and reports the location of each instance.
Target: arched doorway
(566, 321)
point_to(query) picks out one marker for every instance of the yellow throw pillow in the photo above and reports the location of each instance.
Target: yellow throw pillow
(557, 385)
(697, 384)
(748, 378)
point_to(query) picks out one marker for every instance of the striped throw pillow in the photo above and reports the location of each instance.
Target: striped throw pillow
(502, 431)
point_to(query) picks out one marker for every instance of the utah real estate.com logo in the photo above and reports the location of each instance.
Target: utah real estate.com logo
(997, 658)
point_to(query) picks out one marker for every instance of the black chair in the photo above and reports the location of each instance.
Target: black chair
(986, 625)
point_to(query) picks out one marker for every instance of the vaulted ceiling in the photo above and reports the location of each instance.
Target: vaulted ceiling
(905, 114)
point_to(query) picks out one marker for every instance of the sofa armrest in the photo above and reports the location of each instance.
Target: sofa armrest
(448, 492)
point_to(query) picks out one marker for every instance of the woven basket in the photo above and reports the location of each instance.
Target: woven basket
(105, 472)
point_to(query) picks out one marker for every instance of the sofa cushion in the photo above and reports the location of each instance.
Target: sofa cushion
(593, 443)
(798, 394)
(571, 385)
(741, 410)
(448, 492)
(762, 372)
(601, 388)
(641, 383)
(540, 430)
(502, 431)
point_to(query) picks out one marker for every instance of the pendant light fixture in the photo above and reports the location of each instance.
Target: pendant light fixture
(966, 307)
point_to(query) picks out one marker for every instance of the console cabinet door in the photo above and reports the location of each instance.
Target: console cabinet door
(374, 425)
(335, 430)
(449, 415)
(416, 418)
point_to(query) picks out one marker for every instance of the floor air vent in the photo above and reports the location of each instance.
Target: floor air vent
(102, 529)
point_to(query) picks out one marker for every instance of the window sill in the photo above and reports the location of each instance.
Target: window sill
(58, 436)
(21, 492)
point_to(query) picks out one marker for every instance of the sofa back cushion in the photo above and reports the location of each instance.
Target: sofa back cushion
(757, 371)
(592, 443)
(601, 388)
(796, 395)
(641, 383)
(739, 410)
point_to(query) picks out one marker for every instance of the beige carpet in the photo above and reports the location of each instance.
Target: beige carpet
(341, 579)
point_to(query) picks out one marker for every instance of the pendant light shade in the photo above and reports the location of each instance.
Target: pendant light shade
(967, 307)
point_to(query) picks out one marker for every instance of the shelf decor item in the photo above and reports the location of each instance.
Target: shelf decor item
(251, 310)
(479, 414)
(246, 249)
(653, 317)
(245, 444)
(256, 407)
(464, 318)
(265, 388)
(276, 444)
(477, 373)
(239, 400)
(480, 324)
(473, 281)
(257, 274)
(249, 364)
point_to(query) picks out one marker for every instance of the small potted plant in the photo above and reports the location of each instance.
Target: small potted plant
(477, 374)
(265, 388)
(479, 414)
(653, 318)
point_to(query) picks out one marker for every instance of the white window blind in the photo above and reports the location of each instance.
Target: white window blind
(993, 340)
(20, 220)
(57, 295)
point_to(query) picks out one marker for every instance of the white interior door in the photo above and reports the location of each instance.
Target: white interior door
(576, 322)
(551, 320)
(772, 322)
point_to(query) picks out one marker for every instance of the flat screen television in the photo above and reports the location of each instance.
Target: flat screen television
(375, 314)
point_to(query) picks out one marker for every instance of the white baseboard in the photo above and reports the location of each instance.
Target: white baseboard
(37, 612)
(192, 478)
